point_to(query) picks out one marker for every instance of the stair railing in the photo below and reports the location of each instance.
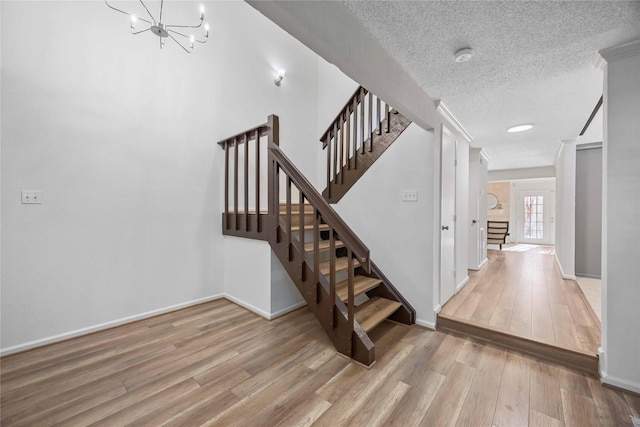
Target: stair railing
(282, 172)
(349, 131)
(242, 169)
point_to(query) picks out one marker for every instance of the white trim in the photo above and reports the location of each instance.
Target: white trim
(483, 263)
(620, 52)
(438, 309)
(248, 306)
(462, 284)
(286, 310)
(564, 276)
(424, 323)
(619, 383)
(107, 325)
(451, 119)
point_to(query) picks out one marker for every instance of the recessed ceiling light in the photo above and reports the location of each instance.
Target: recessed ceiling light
(520, 128)
(463, 55)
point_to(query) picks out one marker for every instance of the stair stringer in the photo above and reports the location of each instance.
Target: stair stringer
(360, 162)
(355, 343)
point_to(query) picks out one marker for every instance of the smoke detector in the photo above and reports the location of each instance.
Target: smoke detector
(463, 55)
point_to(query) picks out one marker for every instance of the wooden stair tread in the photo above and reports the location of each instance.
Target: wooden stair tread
(310, 227)
(361, 284)
(323, 245)
(375, 311)
(342, 264)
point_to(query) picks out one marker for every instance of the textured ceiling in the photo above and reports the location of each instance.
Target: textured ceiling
(532, 60)
(532, 63)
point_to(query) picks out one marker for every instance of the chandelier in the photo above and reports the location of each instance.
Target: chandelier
(162, 30)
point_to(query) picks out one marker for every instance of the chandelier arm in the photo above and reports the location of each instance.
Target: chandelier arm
(126, 13)
(141, 31)
(161, 7)
(180, 44)
(145, 8)
(187, 37)
(186, 26)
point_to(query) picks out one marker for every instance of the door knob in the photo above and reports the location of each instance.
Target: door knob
(474, 221)
(445, 227)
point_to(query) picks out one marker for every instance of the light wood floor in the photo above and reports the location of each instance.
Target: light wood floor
(521, 291)
(218, 364)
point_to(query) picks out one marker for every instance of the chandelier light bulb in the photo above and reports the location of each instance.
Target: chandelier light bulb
(201, 12)
(192, 39)
(134, 19)
(206, 28)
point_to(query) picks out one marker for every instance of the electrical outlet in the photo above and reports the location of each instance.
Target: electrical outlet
(30, 197)
(410, 196)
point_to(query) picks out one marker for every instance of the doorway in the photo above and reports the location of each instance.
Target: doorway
(533, 217)
(447, 219)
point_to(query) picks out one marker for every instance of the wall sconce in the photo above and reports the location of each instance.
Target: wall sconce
(280, 76)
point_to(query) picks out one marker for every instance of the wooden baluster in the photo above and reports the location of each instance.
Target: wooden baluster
(275, 200)
(332, 276)
(301, 238)
(362, 94)
(316, 251)
(246, 182)
(387, 114)
(235, 182)
(258, 180)
(339, 149)
(328, 142)
(378, 118)
(351, 290)
(335, 151)
(347, 138)
(226, 184)
(288, 220)
(370, 122)
(355, 133)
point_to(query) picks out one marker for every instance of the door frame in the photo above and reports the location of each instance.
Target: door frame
(447, 209)
(547, 215)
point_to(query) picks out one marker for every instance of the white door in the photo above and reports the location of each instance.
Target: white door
(447, 219)
(534, 210)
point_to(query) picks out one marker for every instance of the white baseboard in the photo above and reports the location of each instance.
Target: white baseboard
(483, 263)
(248, 306)
(424, 323)
(619, 383)
(562, 273)
(462, 284)
(437, 309)
(107, 325)
(286, 310)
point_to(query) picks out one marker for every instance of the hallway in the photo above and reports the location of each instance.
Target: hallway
(521, 292)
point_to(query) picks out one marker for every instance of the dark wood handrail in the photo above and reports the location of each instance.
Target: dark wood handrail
(263, 129)
(347, 236)
(348, 105)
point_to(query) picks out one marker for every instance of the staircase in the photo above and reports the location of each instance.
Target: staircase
(329, 264)
(356, 139)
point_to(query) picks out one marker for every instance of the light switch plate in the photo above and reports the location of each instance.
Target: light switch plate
(31, 197)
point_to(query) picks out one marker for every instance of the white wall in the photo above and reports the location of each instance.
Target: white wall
(399, 234)
(120, 138)
(566, 208)
(619, 360)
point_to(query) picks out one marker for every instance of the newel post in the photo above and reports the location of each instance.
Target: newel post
(273, 137)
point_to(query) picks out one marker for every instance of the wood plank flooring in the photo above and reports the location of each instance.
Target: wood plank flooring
(521, 292)
(217, 364)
